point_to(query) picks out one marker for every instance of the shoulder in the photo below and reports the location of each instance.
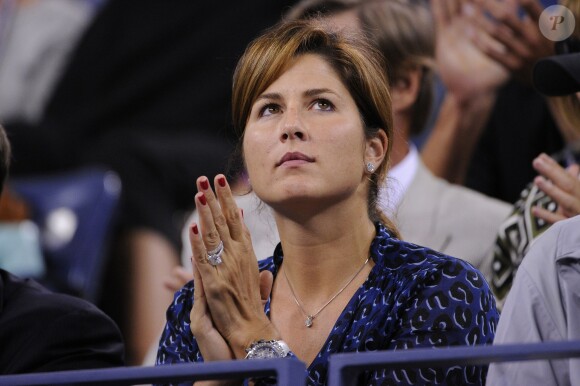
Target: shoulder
(456, 196)
(402, 256)
(543, 297)
(413, 264)
(451, 206)
(566, 236)
(58, 326)
(550, 267)
(559, 244)
(425, 290)
(419, 275)
(27, 297)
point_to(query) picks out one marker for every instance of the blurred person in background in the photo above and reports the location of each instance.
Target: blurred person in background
(44, 331)
(491, 123)
(553, 195)
(542, 304)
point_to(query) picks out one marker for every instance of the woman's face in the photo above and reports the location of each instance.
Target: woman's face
(304, 142)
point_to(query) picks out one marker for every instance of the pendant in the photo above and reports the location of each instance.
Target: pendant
(308, 321)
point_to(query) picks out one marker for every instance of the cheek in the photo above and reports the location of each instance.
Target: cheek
(256, 149)
(349, 147)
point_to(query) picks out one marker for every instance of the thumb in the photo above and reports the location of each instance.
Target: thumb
(266, 282)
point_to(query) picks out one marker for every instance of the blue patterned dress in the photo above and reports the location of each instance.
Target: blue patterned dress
(413, 297)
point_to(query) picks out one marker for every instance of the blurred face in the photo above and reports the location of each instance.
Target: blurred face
(304, 142)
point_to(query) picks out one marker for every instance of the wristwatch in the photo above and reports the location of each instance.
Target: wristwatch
(267, 349)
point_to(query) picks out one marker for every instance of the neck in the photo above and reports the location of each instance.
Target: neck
(325, 250)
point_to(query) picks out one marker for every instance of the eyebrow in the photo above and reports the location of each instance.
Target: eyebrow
(308, 93)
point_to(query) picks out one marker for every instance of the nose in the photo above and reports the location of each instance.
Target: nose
(292, 126)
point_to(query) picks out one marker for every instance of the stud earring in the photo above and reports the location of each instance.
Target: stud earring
(370, 167)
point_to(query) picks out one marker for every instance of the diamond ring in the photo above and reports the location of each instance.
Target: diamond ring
(214, 257)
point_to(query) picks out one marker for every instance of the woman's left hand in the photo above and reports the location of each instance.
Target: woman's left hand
(562, 185)
(234, 289)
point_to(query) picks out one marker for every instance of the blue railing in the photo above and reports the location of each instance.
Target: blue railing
(289, 372)
(343, 368)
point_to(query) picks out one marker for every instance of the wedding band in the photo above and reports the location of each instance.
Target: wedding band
(214, 257)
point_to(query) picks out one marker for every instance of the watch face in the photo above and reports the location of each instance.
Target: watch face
(267, 350)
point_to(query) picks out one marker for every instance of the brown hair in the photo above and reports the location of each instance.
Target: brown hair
(403, 30)
(357, 62)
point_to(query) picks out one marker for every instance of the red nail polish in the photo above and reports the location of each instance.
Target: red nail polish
(194, 229)
(204, 184)
(202, 199)
(222, 181)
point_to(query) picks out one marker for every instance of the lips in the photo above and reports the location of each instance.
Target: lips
(294, 156)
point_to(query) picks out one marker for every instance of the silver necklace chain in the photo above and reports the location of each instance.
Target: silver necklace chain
(310, 317)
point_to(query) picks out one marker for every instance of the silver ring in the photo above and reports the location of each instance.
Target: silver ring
(214, 257)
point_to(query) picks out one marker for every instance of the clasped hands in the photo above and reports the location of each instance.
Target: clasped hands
(229, 298)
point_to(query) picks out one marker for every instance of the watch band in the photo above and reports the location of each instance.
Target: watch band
(267, 349)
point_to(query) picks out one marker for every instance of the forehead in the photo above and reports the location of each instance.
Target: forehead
(308, 71)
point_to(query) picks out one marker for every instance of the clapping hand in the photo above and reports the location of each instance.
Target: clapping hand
(462, 50)
(562, 185)
(229, 294)
(521, 37)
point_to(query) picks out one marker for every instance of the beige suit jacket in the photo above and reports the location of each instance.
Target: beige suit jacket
(450, 219)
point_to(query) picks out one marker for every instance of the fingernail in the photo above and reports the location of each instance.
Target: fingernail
(204, 184)
(194, 229)
(202, 199)
(222, 181)
(242, 212)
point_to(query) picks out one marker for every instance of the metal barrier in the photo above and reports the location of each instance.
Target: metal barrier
(289, 372)
(344, 368)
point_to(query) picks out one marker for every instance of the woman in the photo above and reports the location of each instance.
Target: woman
(314, 113)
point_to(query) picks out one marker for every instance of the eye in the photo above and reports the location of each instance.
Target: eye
(323, 105)
(269, 109)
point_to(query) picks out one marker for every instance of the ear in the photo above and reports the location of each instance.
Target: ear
(405, 90)
(376, 149)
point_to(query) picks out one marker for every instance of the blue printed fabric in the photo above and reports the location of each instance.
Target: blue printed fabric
(413, 297)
